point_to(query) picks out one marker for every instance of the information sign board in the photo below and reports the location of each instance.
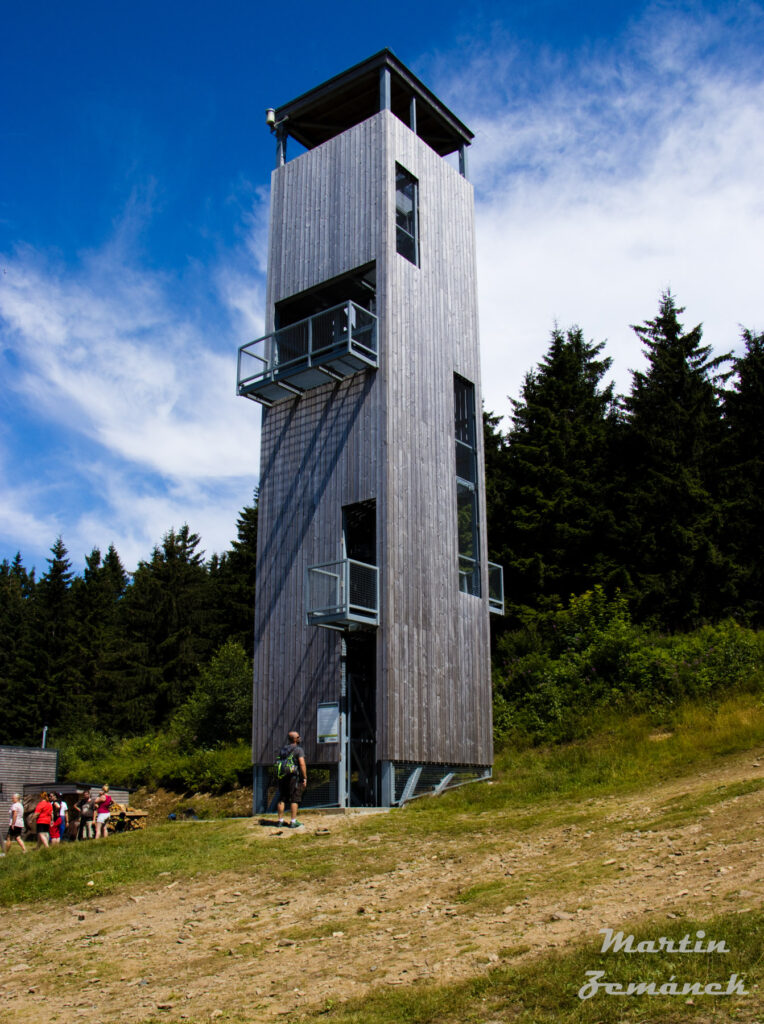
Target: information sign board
(328, 721)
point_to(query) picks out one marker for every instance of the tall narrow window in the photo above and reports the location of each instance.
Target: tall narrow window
(466, 486)
(406, 215)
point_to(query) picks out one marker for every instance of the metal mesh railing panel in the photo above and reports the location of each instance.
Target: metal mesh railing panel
(363, 586)
(290, 344)
(325, 587)
(364, 329)
(330, 329)
(323, 787)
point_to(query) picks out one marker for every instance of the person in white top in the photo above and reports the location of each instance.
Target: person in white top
(64, 817)
(15, 824)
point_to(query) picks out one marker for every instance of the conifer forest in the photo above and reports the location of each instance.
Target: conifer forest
(645, 508)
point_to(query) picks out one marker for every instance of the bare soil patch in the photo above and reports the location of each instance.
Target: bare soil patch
(208, 948)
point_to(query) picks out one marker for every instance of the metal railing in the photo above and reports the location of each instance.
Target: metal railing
(469, 582)
(343, 592)
(495, 588)
(469, 576)
(332, 344)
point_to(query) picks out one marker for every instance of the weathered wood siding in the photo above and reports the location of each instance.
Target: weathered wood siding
(20, 766)
(325, 212)
(318, 452)
(387, 435)
(436, 702)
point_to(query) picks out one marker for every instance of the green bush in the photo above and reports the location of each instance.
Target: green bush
(220, 708)
(554, 675)
(205, 747)
(156, 760)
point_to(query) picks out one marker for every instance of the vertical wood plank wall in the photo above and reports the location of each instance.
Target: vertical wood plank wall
(316, 451)
(437, 648)
(387, 435)
(20, 766)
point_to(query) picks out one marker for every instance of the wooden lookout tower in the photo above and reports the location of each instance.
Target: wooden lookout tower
(373, 586)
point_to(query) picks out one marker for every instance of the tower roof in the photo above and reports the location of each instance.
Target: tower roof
(354, 95)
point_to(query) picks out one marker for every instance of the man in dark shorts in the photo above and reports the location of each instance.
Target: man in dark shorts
(292, 785)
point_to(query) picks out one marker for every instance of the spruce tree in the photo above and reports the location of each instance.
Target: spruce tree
(744, 478)
(232, 579)
(496, 483)
(18, 677)
(51, 630)
(167, 618)
(98, 663)
(670, 518)
(220, 708)
(556, 512)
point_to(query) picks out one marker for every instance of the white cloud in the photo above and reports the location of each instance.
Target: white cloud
(612, 177)
(241, 292)
(107, 353)
(18, 522)
(118, 363)
(153, 508)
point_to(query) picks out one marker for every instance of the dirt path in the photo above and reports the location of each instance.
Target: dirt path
(214, 947)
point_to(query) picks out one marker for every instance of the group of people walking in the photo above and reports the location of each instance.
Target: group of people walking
(52, 819)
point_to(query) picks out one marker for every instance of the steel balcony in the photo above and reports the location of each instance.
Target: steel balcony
(331, 345)
(343, 594)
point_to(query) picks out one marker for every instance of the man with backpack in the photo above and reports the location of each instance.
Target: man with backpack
(292, 777)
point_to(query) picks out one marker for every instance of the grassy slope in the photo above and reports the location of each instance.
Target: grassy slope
(533, 789)
(545, 991)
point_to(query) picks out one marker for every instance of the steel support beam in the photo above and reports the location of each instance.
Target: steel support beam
(259, 789)
(386, 784)
(281, 143)
(385, 89)
(463, 168)
(343, 769)
(411, 784)
(443, 783)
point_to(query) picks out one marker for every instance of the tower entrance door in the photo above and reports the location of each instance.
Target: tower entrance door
(360, 544)
(362, 719)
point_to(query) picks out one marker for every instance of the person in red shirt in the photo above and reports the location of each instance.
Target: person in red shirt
(43, 814)
(55, 821)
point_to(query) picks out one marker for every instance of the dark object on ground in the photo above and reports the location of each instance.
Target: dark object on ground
(187, 812)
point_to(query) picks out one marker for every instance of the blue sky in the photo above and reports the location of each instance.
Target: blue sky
(618, 152)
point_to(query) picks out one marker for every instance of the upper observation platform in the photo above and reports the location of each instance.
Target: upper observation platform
(381, 82)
